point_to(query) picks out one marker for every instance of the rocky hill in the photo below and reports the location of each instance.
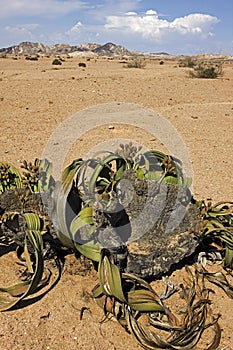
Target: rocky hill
(30, 48)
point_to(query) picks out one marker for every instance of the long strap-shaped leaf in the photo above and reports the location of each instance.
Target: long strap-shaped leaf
(22, 290)
(127, 297)
(219, 279)
(138, 294)
(218, 221)
(61, 193)
(69, 173)
(90, 250)
(85, 219)
(100, 166)
(144, 300)
(109, 277)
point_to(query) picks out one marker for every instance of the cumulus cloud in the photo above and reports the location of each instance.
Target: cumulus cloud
(14, 8)
(151, 26)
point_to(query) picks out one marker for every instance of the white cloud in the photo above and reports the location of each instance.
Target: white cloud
(152, 12)
(101, 10)
(15, 8)
(23, 27)
(75, 31)
(196, 23)
(21, 32)
(150, 26)
(75, 28)
(131, 13)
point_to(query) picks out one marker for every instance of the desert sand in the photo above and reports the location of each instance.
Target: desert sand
(35, 98)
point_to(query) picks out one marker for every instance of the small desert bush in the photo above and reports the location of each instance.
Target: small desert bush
(207, 71)
(137, 63)
(57, 62)
(31, 58)
(82, 64)
(188, 62)
(61, 59)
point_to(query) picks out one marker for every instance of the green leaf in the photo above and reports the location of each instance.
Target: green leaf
(22, 290)
(97, 291)
(61, 193)
(14, 182)
(91, 250)
(16, 290)
(187, 182)
(228, 259)
(153, 175)
(33, 221)
(170, 180)
(119, 173)
(84, 217)
(47, 182)
(140, 173)
(144, 300)
(105, 163)
(109, 277)
(69, 173)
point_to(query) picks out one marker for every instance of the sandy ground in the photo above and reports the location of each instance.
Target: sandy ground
(35, 98)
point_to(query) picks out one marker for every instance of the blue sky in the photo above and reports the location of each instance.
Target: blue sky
(173, 26)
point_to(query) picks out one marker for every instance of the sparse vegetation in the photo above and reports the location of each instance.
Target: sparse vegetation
(188, 62)
(82, 64)
(124, 296)
(207, 71)
(136, 63)
(31, 58)
(61, 58)
(121, 298)
(57, 62)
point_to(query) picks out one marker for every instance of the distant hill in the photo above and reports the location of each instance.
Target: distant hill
(30, 48)
(92, 49)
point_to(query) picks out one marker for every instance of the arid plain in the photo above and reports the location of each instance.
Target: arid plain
(35, 98)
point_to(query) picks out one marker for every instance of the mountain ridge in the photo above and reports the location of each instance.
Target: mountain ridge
(109, 49)
(92, 49)
(30, 48)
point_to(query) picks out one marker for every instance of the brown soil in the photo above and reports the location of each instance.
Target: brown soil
(35, 97)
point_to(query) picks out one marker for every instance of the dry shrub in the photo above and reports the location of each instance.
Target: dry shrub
(57, 62)
(207, 71)
(82, 64)
(136, 63)
(31, 58)
(188, 62)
